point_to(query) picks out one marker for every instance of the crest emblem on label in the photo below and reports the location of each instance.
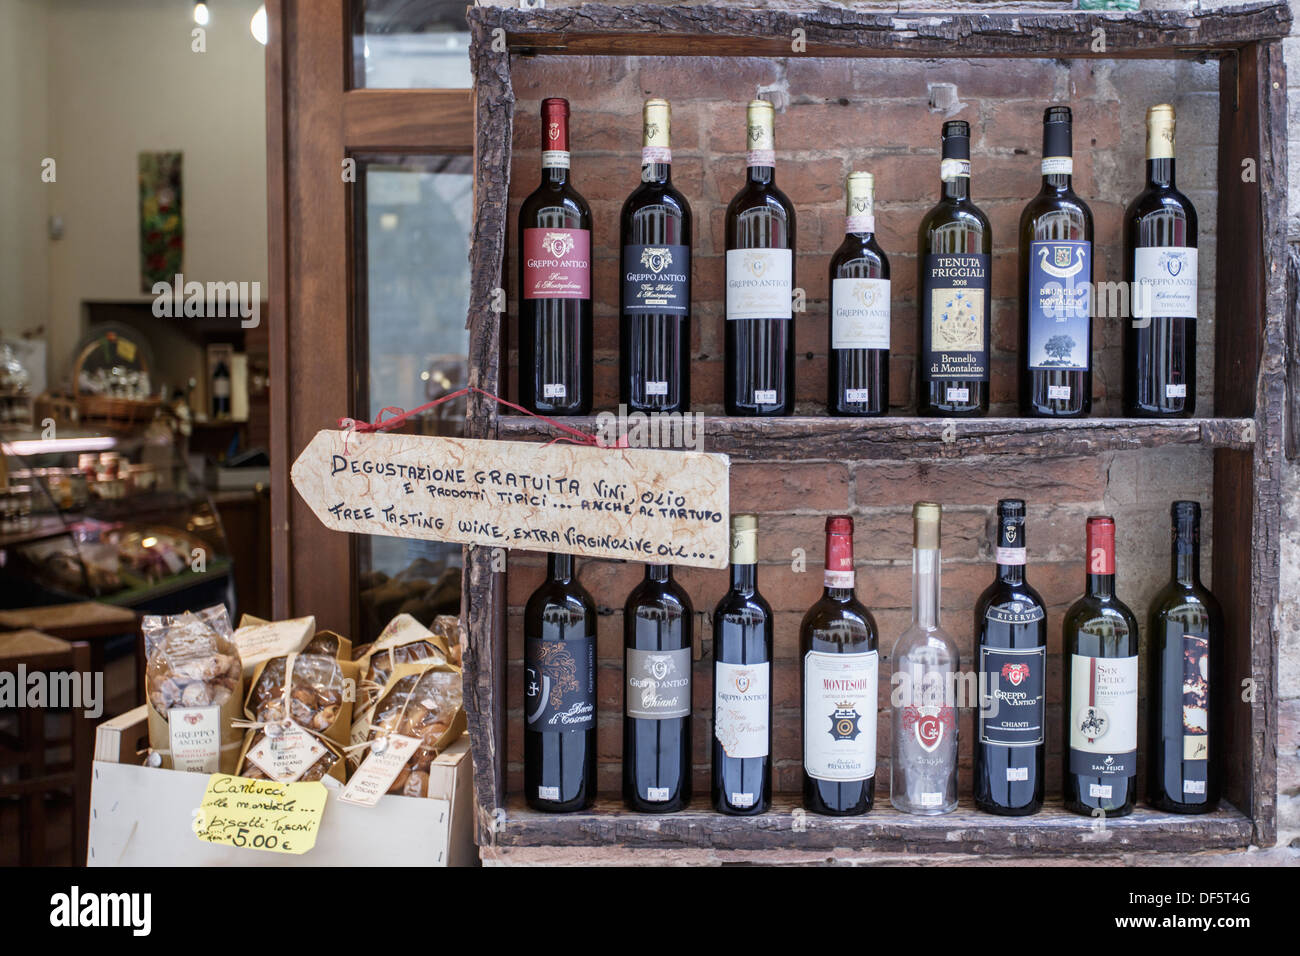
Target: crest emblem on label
(558, 244)
(844, 722)
(656, 260)
(1093, 722)
(1016, 673)
(742, 682)
(660, 667)
(928, 725)
(553, 131)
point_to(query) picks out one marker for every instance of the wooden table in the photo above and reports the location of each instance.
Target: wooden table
(88, 621)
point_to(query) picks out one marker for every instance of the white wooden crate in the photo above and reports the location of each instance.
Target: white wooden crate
(143, 816)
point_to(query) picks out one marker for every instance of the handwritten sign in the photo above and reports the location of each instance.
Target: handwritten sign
(666, 507)
(260, 814)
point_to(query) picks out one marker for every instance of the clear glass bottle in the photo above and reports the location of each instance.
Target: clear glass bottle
(923, 774)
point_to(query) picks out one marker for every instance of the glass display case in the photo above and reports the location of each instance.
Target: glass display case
(110, 518)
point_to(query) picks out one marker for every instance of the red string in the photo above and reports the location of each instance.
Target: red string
(400, 417)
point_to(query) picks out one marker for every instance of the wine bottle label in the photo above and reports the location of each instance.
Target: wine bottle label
(656, 280)
(1013, 713)
(555, 159)
(955, 320)
(1102, 710)
(760, 284)
(1058, 166)
(859, 224)
(742, 702)
(860, 313)
(656, 154)
(1164, 283)
(1060, 304)
(837, 579)
(560, 684)
(1196, 698)
(950, 169)
(658, 684)
(839, 715)
(1008, 556)
(557, 264)
(221, 388)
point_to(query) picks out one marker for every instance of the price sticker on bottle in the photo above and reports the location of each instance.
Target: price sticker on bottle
(260, 814)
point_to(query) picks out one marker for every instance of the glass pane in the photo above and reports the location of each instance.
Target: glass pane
(410, 44)
(413, 222)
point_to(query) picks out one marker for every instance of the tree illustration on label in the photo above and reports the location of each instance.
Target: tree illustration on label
(1059, 349)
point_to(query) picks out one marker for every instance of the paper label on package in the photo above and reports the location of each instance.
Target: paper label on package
(380, 768)
(286, 755)
(261, 642)
(260, 814)
(195, 738)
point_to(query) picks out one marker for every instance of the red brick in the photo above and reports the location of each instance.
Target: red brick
(787, 486)
(733, 79)
(854, 124)
(576, 78)
(960, 482)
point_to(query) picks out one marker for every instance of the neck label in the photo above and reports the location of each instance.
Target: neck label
(1010, 556)
(555, 159)
(951, 169)
(1058, 166)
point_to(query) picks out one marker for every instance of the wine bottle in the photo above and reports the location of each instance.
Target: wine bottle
(555, 364)
(1011, 641)
(955, 246)
(655, 292)
(760, 230)
(657, 641)
(1160, 270)
(1056, 285)
(839, 671)
(1100, 643)
(560, 692)
(857, 380)
(221, 390)
(742, 683)
(923, 686)
(1186, 635)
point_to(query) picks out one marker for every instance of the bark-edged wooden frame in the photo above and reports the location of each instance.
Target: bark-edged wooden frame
(1250, 391)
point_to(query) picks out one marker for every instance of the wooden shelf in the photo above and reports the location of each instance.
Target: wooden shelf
(1052, 830)
(801, 439)
(659, 30)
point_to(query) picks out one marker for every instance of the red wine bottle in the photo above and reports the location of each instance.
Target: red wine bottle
(742, 683)
(1056, 285)
(858, 367)
(555, 359)
(1160, 267)
(658, 625)
(1011, 643)
(1100, 643)
(954, 255)
(840, 668)
(560, 692)
(1186, 689)
(655, 291)
(758, 364)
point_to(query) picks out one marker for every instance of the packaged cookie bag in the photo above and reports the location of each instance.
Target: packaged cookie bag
(405, 640)
(193, 686)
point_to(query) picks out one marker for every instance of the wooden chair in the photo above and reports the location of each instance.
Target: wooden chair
(91, 621)
(29, 750)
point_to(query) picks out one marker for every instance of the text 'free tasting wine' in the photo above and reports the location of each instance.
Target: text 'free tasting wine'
(555, 317)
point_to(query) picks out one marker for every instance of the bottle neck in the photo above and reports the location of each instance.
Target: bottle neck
(555, 175)
(763, 175)
(1011, 573)
(1058, 182)
(744, 578)
(1186, 563)
(559, 568)
(660, 573)
(956, 188)
(1101, 585)
(661, 173)
(925, 587)
(1160, 172)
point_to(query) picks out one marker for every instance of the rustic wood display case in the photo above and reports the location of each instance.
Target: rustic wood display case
(1244, 437)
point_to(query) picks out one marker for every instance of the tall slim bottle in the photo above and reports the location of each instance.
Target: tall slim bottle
(658, 625)
(923, 686)
(840, 668)
(1160, 267)
(1056, 285)
(655, 289)
(1186, 683)
(555, 357)
(954, 256)
(560, 692)
(1100, 644)
(742, 683)
(758, 363)
(1011, 643)
(857, 377)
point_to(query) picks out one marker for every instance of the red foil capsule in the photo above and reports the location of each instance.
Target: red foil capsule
(555, 124)
(1101, 545)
